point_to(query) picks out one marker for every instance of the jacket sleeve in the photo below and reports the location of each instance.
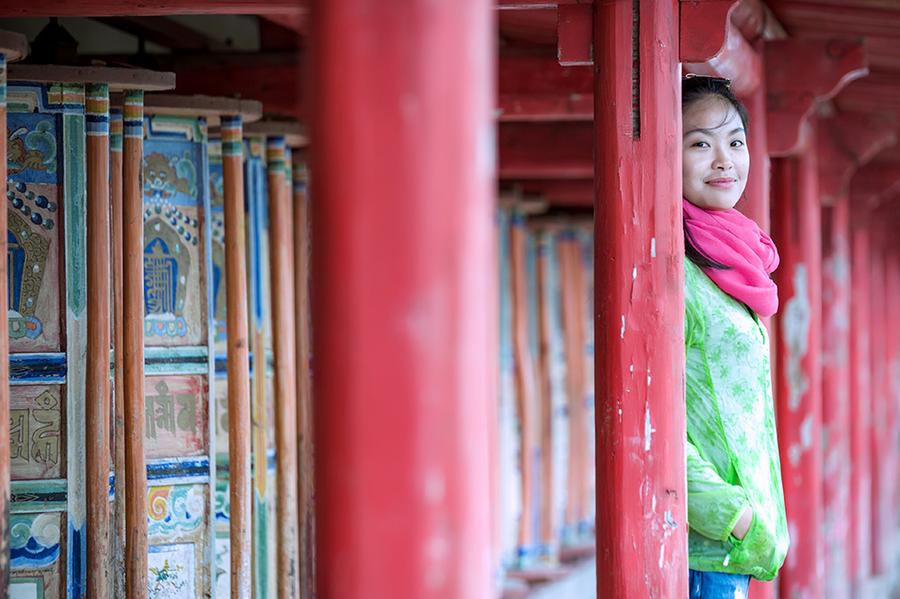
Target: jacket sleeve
(714, 506)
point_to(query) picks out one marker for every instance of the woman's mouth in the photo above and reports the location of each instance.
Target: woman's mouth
(722, 182)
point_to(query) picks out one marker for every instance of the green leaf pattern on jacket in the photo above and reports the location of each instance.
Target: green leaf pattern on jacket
(732, 449)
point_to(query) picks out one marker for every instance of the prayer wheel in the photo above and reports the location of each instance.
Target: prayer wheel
(59, 325)
(183, 282)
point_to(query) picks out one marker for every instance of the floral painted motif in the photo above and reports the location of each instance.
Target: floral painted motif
(175, 509)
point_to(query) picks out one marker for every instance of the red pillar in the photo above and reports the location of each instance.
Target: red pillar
(403, 316)
(755, 203)
(861, 402)
(639, 303)
(836, 413)
(879, 450)
(798, 234)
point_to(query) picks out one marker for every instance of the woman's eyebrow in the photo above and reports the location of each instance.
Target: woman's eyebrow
(710, 131)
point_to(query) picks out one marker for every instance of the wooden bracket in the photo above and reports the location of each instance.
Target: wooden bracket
(809, 72)
(703, 28)
(874, 183)
(847, 142)
(575, 32)
(736, 61)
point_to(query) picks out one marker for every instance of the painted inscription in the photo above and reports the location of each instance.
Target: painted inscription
(175, 416)
(35, 433)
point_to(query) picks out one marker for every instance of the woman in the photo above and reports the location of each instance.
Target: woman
(736, 512)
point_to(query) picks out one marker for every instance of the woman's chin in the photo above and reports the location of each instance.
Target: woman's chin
(714, 203)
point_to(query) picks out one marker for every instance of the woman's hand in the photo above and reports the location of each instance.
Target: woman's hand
(743, 525)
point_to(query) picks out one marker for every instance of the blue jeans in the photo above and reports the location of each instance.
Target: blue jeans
(718, 585)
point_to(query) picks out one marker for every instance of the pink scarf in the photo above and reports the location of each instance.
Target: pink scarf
(730, 238)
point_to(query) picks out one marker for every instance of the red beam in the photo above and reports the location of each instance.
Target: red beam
(736, 60)
(808, 72)
(562, 192)
(574, 30)
(703, 28)
(874, 183)
(116, 8)
(844, 143)
(545, 151)
(639, 298)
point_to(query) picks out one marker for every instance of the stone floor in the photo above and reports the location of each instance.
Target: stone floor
(581, 584)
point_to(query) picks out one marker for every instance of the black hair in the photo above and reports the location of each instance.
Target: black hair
(694, 89)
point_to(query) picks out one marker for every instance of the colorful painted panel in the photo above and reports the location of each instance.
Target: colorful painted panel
(178, 531)
(176, 416)
(33, 201)
(174, 273)
(36, 556)
(36, 439)
(217, 222)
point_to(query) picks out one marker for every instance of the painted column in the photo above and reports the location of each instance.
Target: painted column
(836, 409)
(639, 303)
(798, 234)
(402, 297)
(239, 429)
(97, 390)
(861, 402)
(303, 338)
(133, 345)
(283, 345)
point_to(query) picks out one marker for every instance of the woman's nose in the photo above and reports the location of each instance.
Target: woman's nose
(722, 163)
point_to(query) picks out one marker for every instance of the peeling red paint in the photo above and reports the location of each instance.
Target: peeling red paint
(641, 531)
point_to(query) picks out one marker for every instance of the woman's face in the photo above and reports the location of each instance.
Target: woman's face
(715, 156)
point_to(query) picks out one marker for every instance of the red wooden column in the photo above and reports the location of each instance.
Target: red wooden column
(861, 402)
(403, 281)
(12, 47)
(639, 298)
(836, 409)
(878, 444)
(97, 391)
(798, 235)
(756, 201)
(845, 142)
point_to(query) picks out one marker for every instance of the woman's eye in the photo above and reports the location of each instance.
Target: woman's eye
(737, 143)
(700, 144)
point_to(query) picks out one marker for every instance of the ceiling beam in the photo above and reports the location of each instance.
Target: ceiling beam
(118, 8)
(529, 151)
(164, 32)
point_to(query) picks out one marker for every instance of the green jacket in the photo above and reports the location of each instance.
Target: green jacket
(732, 448)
